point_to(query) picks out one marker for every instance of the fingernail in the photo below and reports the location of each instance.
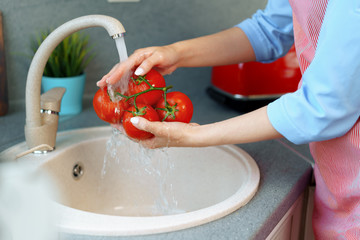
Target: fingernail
(99, 83)
(139, 71)
(134, 120)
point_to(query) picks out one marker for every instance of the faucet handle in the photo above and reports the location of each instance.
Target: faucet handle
(51, 100)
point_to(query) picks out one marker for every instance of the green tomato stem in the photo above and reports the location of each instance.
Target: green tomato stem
(164, 89)
(170, 110)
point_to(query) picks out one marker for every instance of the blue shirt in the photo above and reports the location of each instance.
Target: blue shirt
(328, 103)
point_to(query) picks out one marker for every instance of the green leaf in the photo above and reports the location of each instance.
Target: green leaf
(69, 58)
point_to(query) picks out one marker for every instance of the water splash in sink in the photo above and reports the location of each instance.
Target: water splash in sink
(141, 167)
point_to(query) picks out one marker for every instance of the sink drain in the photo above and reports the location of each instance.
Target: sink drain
(78, 171)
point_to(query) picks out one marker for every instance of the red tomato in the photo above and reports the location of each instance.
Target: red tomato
(179, 108)
(106, 109)
(144, 111)
(137, 85)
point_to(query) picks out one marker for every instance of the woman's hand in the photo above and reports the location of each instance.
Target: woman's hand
(251, 127)
(167, 134)
(163, 59)
(227, 47)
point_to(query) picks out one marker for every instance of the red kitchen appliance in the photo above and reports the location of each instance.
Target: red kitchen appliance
(247, 86)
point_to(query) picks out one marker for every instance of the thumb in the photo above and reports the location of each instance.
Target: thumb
(139, 122)
(146, 66)
(154, 127)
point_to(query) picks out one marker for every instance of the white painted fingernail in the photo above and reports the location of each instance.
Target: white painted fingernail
(139, 71)
(134, 120)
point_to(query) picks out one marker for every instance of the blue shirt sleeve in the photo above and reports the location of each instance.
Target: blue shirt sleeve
(328, 103)
(270, 31)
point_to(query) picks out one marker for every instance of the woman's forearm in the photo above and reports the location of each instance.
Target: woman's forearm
(230, 46)
(227, 47)
(250, 127)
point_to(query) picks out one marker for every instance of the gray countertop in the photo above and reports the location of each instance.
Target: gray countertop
(285, 173)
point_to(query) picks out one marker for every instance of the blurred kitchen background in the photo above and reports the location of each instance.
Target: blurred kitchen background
(147, 22)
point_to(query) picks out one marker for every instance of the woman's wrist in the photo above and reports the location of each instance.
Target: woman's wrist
(181, 53)
(197, 136)
(250, 127)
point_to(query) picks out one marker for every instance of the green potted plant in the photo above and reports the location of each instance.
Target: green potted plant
(65, 68)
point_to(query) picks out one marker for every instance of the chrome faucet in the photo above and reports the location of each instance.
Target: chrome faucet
(42, 112)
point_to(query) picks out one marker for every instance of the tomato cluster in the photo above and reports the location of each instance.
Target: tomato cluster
(147, 97)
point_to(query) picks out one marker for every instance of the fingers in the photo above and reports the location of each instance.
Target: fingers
(166, 134)
(159, 129)
(163, 59)
(120, 70)
(146, 64)
(162, 136)
(141, 62)
(123, 68)
(150, 143)
(103, 81)
(119, 127)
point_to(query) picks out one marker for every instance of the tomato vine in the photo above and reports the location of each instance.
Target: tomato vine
(147, 96)
(139, 112)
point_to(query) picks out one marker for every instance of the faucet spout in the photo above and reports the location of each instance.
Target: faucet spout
(38, 131)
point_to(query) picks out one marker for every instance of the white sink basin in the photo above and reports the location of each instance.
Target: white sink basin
(167, 190)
